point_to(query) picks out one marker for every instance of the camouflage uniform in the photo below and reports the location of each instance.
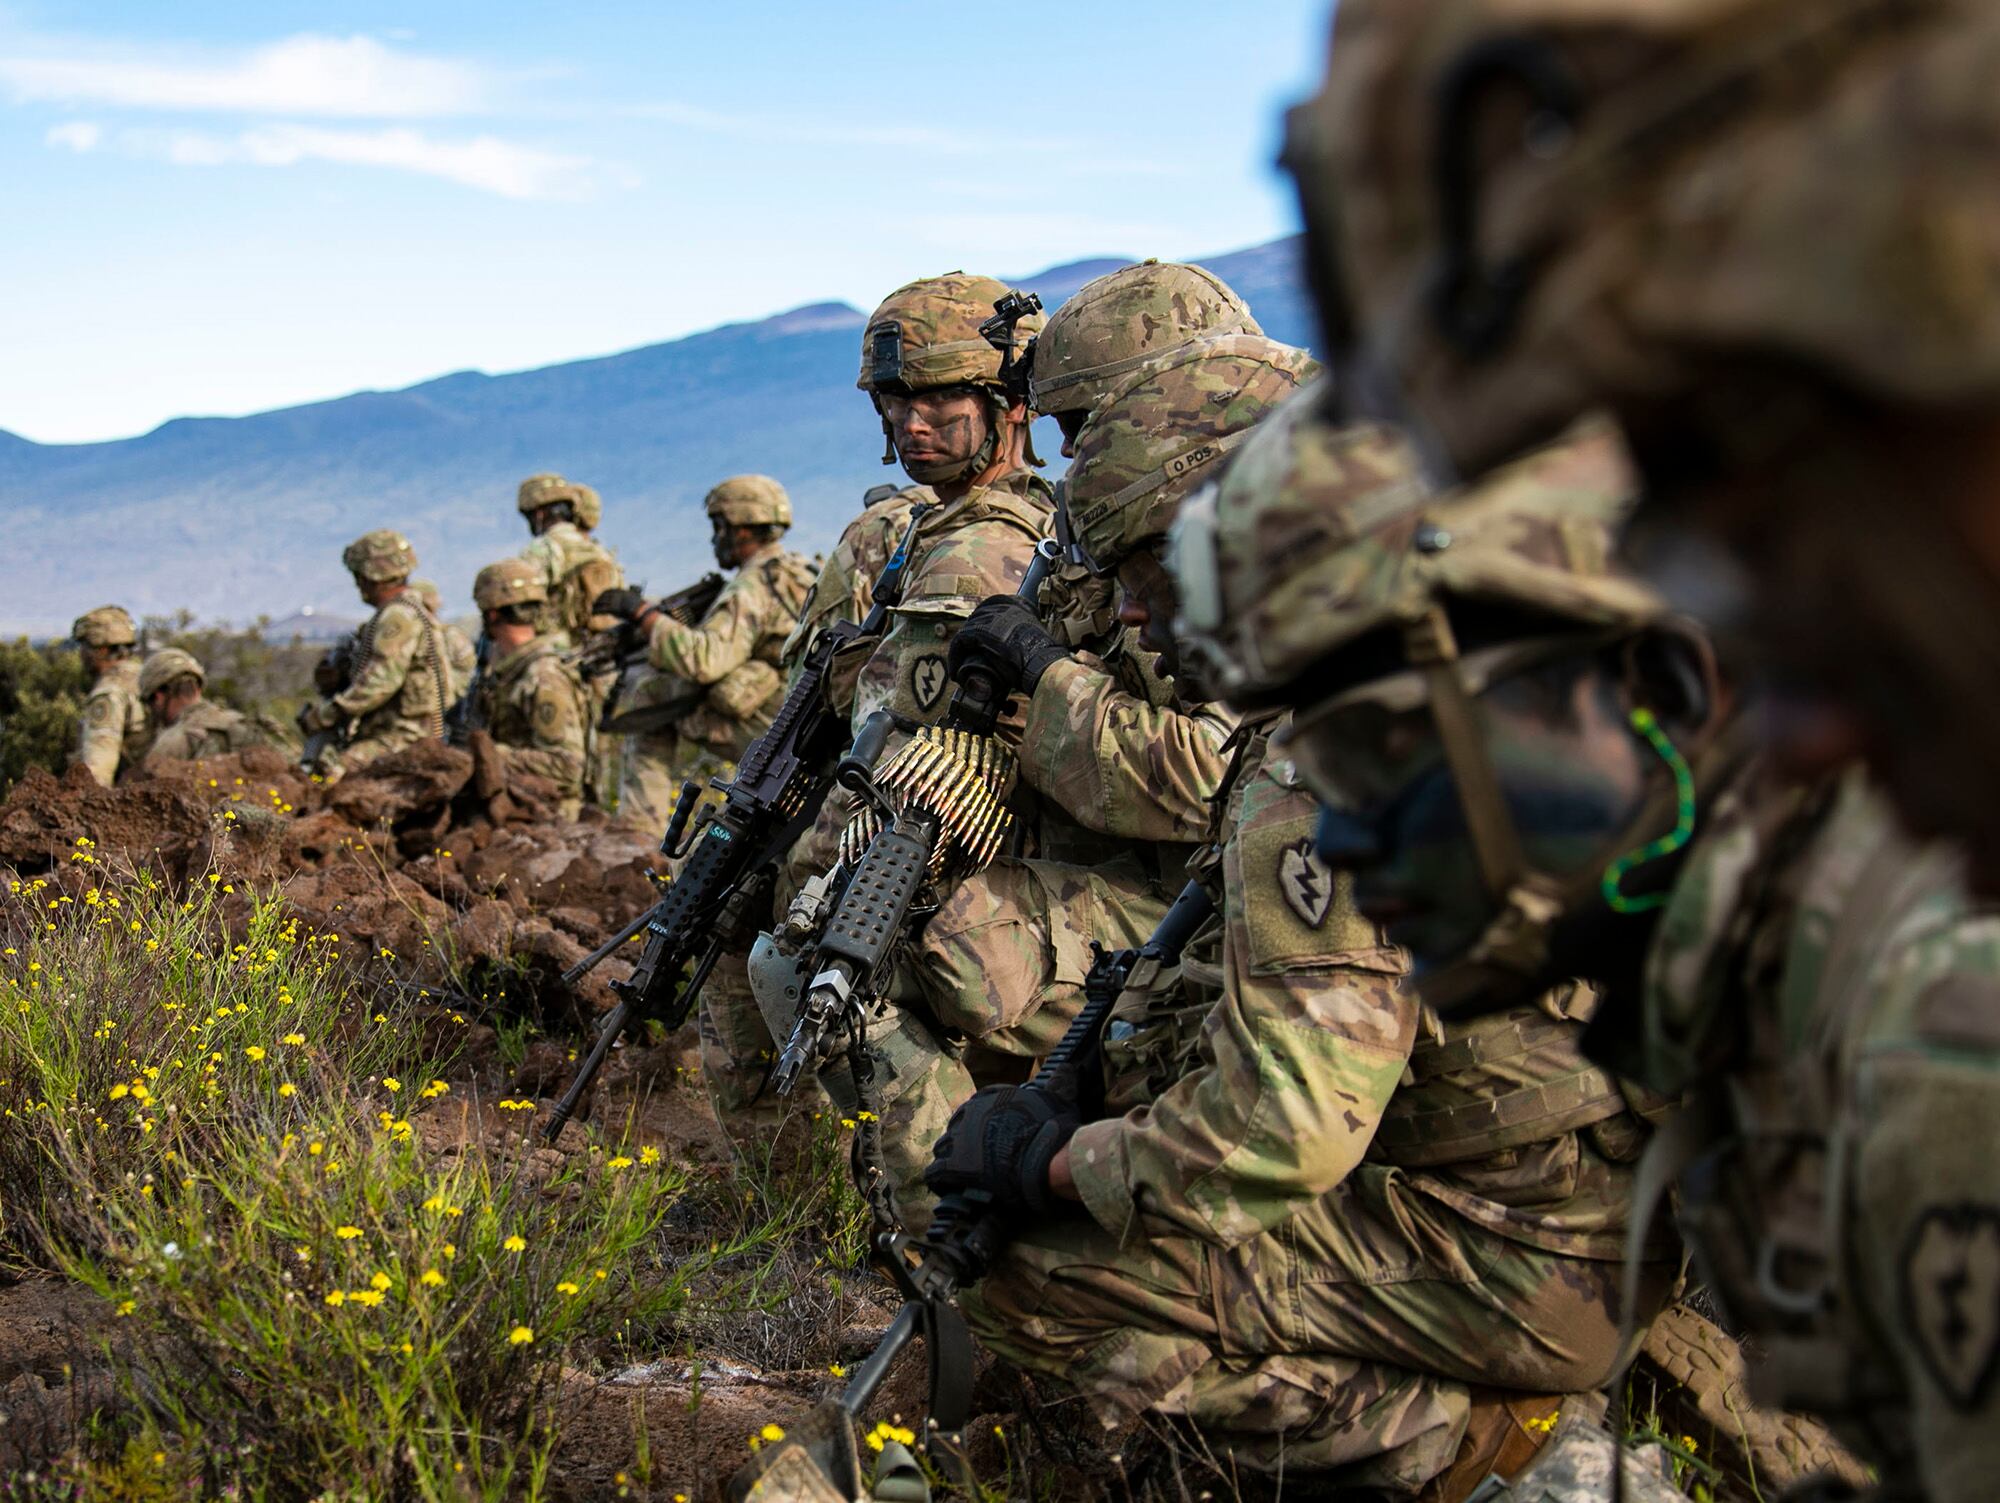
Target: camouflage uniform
(1827, 988)
(113, 731)
(845, 588)
(576, 566)
(531, 702)
(402, 688)
(1315, 1243)
(204, 728)
(1328, 1218)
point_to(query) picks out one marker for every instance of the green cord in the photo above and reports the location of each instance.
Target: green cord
(1683, 830)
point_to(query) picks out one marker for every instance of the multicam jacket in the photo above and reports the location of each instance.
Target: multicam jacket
(115, 726)
(744, 630)
(402, 689)
(538, 712)
(206, 729)
(579, 569)
(1835, 998)
(845, 588)
(1316, 1063)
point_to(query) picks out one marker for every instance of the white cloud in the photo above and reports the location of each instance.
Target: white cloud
(307, 74)
(484, 162)
(77, 135)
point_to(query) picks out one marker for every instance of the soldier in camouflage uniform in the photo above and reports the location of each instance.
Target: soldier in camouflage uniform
(533, 706)
(1113, 740)
(1327, 1227)
(845, 588)
(563, 515)
(400, 692)
(191, 727)
(113, 732)
(1759, 231)
(727, 663)
(732, 654)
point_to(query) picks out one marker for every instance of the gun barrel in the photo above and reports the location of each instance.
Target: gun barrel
(614, 1025)
(602, 953)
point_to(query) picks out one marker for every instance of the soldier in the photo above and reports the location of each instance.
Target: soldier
(729, 659)
(1327, 1231)
(113, 732)
(534, 710)
(1115, 742)
(1760, 233)
(576, 567)
(1528, 766)
(459, 650)
(191, 727)
(400, 692)
(845, 588)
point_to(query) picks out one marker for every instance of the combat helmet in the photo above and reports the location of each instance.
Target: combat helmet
(164, 667)
(511, 581)
(1112, 325)
(750, 501)
(1162, 429)
(545, 489)
(588, 506)
(1319, 574)
(380, 557)
(926, 337)
(106, 626)
(1519, 209)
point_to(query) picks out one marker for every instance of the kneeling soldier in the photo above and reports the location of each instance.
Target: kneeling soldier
(532, 704)
(114, 730)
(191, 727)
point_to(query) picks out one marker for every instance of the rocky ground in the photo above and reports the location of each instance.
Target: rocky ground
(473, 911)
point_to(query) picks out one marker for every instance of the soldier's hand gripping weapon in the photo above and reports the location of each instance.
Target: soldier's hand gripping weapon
(730, 861)
(933, 812)
(965, 1236)
(468, 715)
(613, 651)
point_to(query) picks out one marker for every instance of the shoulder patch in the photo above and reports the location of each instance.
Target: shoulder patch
(1305, 882)
(927, 680)
(99, 710)
(1951, 1297)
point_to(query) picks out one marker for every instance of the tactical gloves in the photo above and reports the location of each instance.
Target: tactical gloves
(1005, 637)
(317, 715)
(1002, 1141)
(626, 603)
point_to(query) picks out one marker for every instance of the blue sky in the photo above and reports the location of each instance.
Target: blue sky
(218, 208)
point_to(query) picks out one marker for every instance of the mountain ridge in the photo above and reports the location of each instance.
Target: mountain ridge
(236, 517)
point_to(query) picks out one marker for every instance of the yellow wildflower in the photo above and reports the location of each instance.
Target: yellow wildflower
(380, 1281)
(520, 1335)
(347, 1233)
(255, 1051)
(565, 1287)
(515, 1243)
(336, 1298)
(432, 1278)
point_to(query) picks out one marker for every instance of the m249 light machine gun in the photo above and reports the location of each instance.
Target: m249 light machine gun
(963, 1239)
(729, 862)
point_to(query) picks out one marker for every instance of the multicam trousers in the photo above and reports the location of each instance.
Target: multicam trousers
(1348, 1339)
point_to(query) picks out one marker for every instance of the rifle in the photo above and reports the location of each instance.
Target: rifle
(621, 647)
(952, 812)
(779, 786)
(331, 674)
(966, 1234)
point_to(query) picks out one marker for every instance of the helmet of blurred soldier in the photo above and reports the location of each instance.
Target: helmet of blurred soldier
(1162, 429)
(511, 581)
(926, 336)
(161, 669)
(588, 506)
(1650, 204)
(541, 490)
(1118, 322)
(380, 557)
(106, 626)
(750, 501)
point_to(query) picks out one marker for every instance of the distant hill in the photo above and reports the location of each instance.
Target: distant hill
(233, 518)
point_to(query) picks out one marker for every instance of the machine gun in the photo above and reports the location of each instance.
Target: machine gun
(779, 786)
(966, 1233)
(946, 816)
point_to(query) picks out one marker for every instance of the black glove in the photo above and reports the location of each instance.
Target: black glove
(1005, 636)
(625, 603)
(1002, 1141)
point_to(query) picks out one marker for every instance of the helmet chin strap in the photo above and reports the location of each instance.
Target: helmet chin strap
(1510, 960)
